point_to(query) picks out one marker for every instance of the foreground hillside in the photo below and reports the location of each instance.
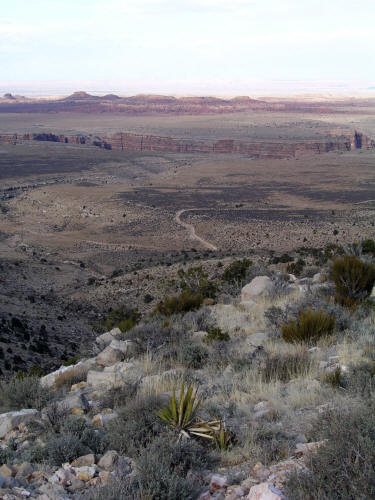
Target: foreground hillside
(252, 383)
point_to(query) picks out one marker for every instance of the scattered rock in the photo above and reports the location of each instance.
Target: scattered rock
(6, 471)
(84, 460)
(218, 482)
(264, 491)
(10, 421)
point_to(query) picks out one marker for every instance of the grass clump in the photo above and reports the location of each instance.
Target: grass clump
(216, 334)
(285, 366)
(309, 327)
(183, 303)
(344, 467)
(353, 278)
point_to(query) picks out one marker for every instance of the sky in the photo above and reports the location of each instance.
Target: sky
(186, 45)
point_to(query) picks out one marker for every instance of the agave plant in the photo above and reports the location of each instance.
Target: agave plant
(183, 415)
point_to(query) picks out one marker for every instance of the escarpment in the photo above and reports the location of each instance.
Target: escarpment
(129, 142)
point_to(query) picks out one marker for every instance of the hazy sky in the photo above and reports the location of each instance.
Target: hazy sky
(187, 41)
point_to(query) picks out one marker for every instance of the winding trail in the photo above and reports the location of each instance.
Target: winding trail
(191, 230)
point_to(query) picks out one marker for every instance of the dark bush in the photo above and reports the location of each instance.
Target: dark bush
(196, 280)
(23, 392)
(186, 301)
(236, 271)
(353, 279)
(163, 468)
(136, 425)
(296, 267)
(309, 326)
(155, 333)
(123, 318)
(283, 259)
(344, 467)
(368, 246)
(64, 448)
(215, 334)
(192, 355)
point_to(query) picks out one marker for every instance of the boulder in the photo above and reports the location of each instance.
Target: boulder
(82, 366)
(84, 473)
(84, 460)
(112, 376)
(218, 483)
(127, 347)
(24, 470)
(10, 421)
(259, 286)
(75, 400)
(109, 357)
(7, 471)
(109, 460)
(52, 491)
(264, 491)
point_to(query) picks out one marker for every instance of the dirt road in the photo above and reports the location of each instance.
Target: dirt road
(191, 230)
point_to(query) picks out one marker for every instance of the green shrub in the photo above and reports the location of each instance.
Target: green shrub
(192, 355)
(185, 302)
(368, 246)
(353, 279)
(23, 392)
(283, 259)
(195, 280)
(71, 361)
(296, 267)
(123, 318)
(215, 334)
(344, 467)
(236, 271)
(309, 326)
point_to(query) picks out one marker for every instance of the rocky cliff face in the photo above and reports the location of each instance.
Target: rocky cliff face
(337, 141)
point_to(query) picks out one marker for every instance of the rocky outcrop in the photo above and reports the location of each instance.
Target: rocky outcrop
(124, 141)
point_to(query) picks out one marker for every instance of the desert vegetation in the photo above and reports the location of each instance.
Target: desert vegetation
(210, 392)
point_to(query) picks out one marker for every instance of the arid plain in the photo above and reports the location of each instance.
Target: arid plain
(84, 225)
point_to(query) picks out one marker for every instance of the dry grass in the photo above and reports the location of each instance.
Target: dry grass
(71, 376)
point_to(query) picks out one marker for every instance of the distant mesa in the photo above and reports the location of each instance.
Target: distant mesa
(151, 98)
(244, 99)
(9, 97)
(78, 96)
(110, 97)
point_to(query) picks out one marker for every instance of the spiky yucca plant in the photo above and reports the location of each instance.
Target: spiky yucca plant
(183, 415)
